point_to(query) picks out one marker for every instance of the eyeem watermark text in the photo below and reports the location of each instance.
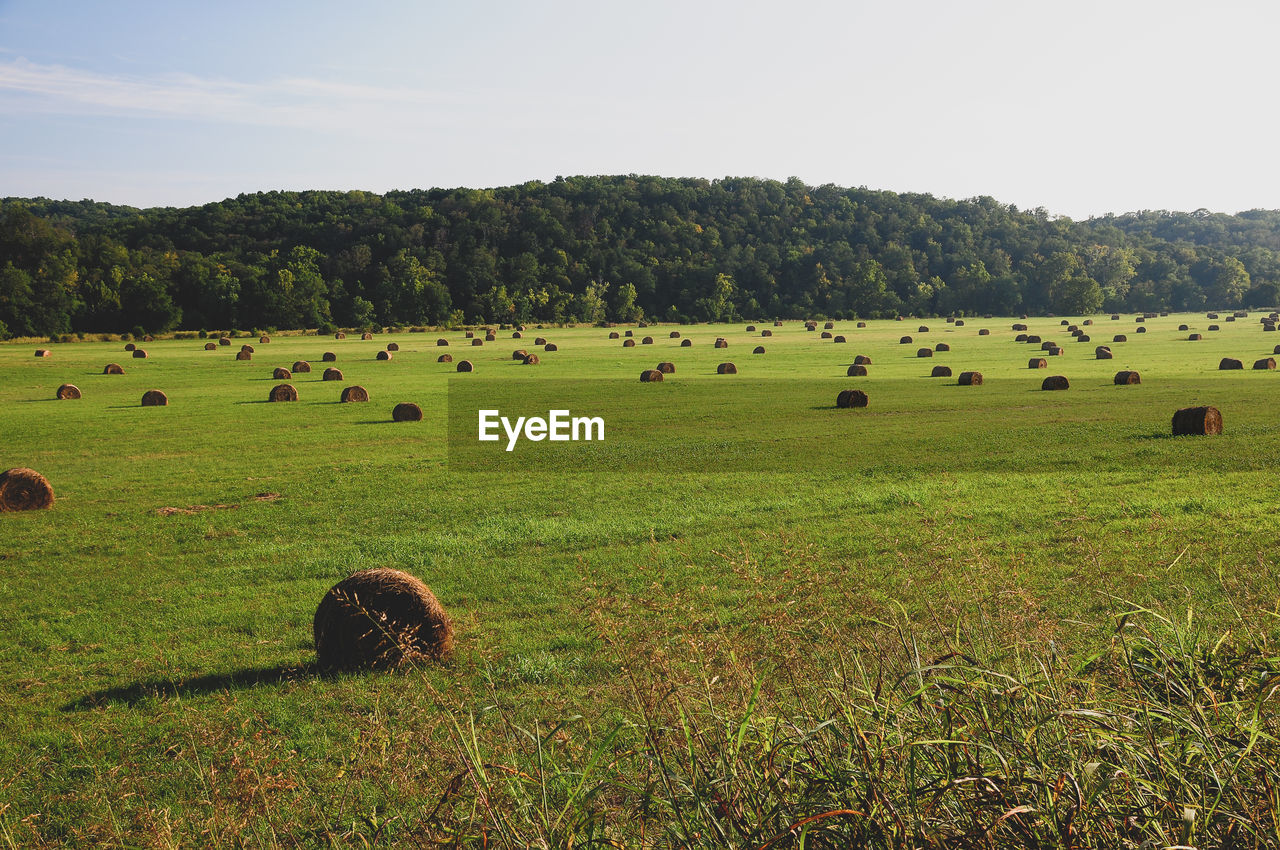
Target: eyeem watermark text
(559, 426)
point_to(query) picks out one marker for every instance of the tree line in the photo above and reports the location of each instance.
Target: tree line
(592, 249)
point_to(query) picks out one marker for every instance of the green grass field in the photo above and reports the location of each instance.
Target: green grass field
(732, 533)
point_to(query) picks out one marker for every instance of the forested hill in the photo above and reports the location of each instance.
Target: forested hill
(606, 248)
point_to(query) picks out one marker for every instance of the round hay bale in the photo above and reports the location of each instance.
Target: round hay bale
(1139, 330)
(777, 324)
(838, 338)
(970, 379)
(331, 374)
(674, 335)
(940, 372)
(1087, 322)
(1194, 337)
(766, 332)
(240, 355)
(1115, 317)
(551, 346)
(862, 324)
(628, 333)
(23, 489)
(522, 327)
(353, 393)
(129, 346)
(339, 335)
(1103, 353)
(666, 367)
(1119, 338)
(465, 366)
(1139, 318)
(283, 392)
(518, 335)
(1183, 328)
(1265, 363)
(208, 346)
(113, 369)
(862, 360)
(471, 334)
(71, 391)
(531, 360)
(1055, 382)
(1037, 363)
(542, 340)
(1048, 344)
(223, 340)
(614, 335)
(721, 342)
(827, 335)
(857, 370)
(445, 358)
(651, 376)
(1054, 352)
(924, 352)
(329, 357)
(406, 411)
(281, 374)
(1213, 327)
(248, 348)
(1020, 338)
(477, 341)
(379, 619)
(490, 337)
(830, 326)
(383, 355)
(1017, 326)
(726, 369)
(686, 343)
(1276, 350)
(1033, 339)
(1065, 322)
(301, 366)
(519, 354)
(759, 349)
(1197, 421)
(140, 354)
(851, 398)
(442, 341)
(1211, 315)
(942, 346)
(983, 332)
(1126, 377)
(647, 341)
(906, 340)
(751, 329)
(1082, 338)
(1230, 363)
(154, 398)
(924, 329)
(366, 336)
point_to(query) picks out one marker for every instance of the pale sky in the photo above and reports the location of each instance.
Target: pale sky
(1083, 108)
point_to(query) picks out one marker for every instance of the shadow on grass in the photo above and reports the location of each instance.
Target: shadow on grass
(148, 689)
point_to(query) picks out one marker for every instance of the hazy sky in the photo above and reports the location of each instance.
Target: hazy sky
(1080, 107)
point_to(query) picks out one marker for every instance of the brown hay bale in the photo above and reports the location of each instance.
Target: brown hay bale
(906, 340)
(222, 340)
(442, 341)
(1265, 363)
(248, 348)
(1213, 327)
(1230, 363)
(43, 352)
(827, 335)
(339, 335)
(1197, 421)
(353, 393)
(751, 329)
(518, 335)
(1115, 317)
(301, 366)
(1119, 338)
(379, 619)
(1211, 315)
(140, 354)
(68, 391)
(862, 360)
(1054, 352)
(490, 337)
(666, 367)
(830, 325)
(1276, 350)
(281, 374)
(531, 360)
(154, 398)
(471, 334)
(1140, 330)
(445, 358)
(924, 352)
(113, 369)
(651, 376)
(983, 332)
(477, 341)
(1103, 353)
(283, 392)
(148, 338)
(23, 489)
(838, 338)
(857, 370)
(1033, 339)
(1068, 324)
(1048, 344)
(392, 346)
(331, 374)
(519, 354)
(614, 335)
(862, 324)
(924, 329)
(542, 340)
(721, 342)
(674, 335)
(551, 346)
(1241, 314)
(942, 346)
(759, 349)
(1020, 338)
(1194, 337)
(686, 343)
(1126, 377)
(726, 369)
(1082, 338)
(522, 327)
(851, 398)
(129, 346)
(328, 357)
(208, 346)
(1231, 318)
(1087, 322)
(1018, 327)
(647, 341)
(810, 325)
(970, 379)
(240, 355)
(1037, 363)
(382, 355)
(1139, 318)
(465, 366)
(766, 332)
(628, 333)
(1183, 328)
(406, 411)
(366, 335)
(1055, 382)
(940, 372)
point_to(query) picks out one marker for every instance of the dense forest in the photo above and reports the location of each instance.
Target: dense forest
(591, 249)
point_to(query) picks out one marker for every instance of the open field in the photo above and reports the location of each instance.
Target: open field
(732, 530)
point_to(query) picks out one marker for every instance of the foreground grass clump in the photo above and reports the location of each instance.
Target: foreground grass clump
(1164, 738)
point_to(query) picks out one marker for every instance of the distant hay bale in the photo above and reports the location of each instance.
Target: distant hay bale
(113, 369)
(1183, 328)
(442, 342)
(924, 329)
(862, 324)
(970, 379)
(827, 335)
(1048, 344)
(551, 346)
(851, 398)
(674, 335)
(1265, 363)
(471, 334)
(129, 346)
(392, 346)
(722, 343)
(1082, 338)
(651, 376)
(628, 333)
(43, 352)
(1119, 338)
(766, 332)
(154, 398)
(383, 355)
(862, 360)
(759, 349)
(983, 332)
(445, 358)
(519, 335)
(1139, 318)
(301, 366)
(208, 346)
(628, 343)
(1068, 324)
(1020, 338)
(1103, 353)
(751, 329)
(1033, 339)
(68, 391)
(1087, 322)
(222, 340)
(328, 357)
(248, 348)
(1214, 327)
(1056, 351)
(490, 338)
(240, 355)
(1126, 377)
(1055, 382)
(148, 338)
(1231, 318)
(829, 325)
(1194, 337)
(1230, 363)
(331, 374)
(924, 352)
(838, 338)
(380, 619)
(1140, 330)
(726, 369)
(339, 335)
(23, 489)
(465, 366)
(1197, 421)
(531, 360)
(906, 340)
(857, 370)
(1276, 350)
(666, 368)
(521, 328)
(353, 393)
(281, 374)
(686, 343)
(1018, 327)
(477, 341)
(406, 411)
(647, 341)
(1211, 315)
(940, 372)
(283, 392)
(366, 336)
(942, 346)
(542, 340)
(141, 354)
(1240, 314)
(614, 335)
(1037, 363)
(1115, 317)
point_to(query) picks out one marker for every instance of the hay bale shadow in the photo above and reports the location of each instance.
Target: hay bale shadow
(164, 689)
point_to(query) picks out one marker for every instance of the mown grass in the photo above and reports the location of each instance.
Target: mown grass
(157, 687)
